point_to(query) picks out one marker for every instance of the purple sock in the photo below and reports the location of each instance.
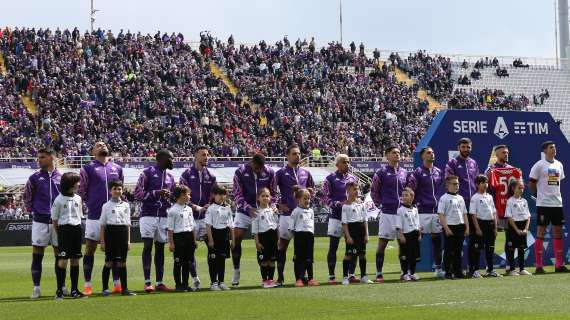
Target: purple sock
(146, 262)
(88, 267)
(159, 261)
(379, 262)
(193, 269)
(37, 268)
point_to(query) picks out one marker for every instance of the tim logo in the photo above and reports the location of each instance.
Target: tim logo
(501, 129)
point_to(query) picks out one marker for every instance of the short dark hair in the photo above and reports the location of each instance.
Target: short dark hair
(115, 183)
(547, 144)
(451, 177)
(202, 147)
(48, 151)
(219, 190)
(292, 146)
(481, 179)
(499, 147)
(179, 190)
(163, 153)
(464, 140)
(424, 149)
(390, 148)
(258, 159)
(68, 181)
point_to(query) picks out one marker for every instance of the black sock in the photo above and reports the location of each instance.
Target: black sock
(362, 265)
(489, 254)
(176, 272)
(236, 256)
(412, 265)
(345, 267)
(309, 268)
(263, 273)
(105, 277)
(299, 270)
(511, 258)
(123, 277)
(520, 258)
(74, 275)
(60, 276)
(185, 272)
(352, 265)
(436, 244)
(281, 259)
(212, 268)
(221, 263)
(271, 272)
(403, 263)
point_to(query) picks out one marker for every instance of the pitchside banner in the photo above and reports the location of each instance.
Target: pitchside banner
(523, 132)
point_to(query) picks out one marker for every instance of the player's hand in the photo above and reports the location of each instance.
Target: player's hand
(196, 245)
(466, 233)
(349, 241)
(525, 232)
(164, 193)
(128, 246)
(232, 245)
(479, 232)
(252, 212)
(496, 232)
(420, 237)
(102, 245)
(366, 239)
(283, 207)
(171, 247)
(402, 239)
(258, 246)
(211, 244)
(520, 232)
(448, 232)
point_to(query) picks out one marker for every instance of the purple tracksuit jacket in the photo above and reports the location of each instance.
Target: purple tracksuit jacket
(288, 177)
(428, 187)
(150, 182)
(41, 190)
(334, 192)
(200, 183)
(93, 187)
(387, 186)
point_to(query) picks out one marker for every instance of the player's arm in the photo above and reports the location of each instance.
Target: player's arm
(83, 184)
(514, 225)
(532, 186)
(533, 179)
(210, 237)
(442, 220)
(102, 224)
(375, 190)
(473, 216)
(55, 214)
(170, 227)
(29, 195)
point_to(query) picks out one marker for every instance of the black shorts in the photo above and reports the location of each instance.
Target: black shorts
(304, 243)
(116, 243)
(221, 239)
(268, 240)
(356, 231)
(184, 246)
(514, 240)
(549, 215)
(487, 239)
(411, 248)
(70, 240)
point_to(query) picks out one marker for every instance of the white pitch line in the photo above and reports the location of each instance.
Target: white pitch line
(449, 303)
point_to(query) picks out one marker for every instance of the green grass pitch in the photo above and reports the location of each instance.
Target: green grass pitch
(533, 297)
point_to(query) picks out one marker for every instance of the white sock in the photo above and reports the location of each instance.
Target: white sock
(36, 287)
(87, 284)
(116, 282)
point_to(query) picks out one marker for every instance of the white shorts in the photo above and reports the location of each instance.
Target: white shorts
(155, 228)
(200, 229)
(388, 225)
(43, 234)
(284, 232)
(334, 228)
(92, 230)
(430, 223)
(242, 221)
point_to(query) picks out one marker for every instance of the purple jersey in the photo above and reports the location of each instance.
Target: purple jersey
(288, 177)
(200, 183)
(247, 183)
(150, 182)
(94, 185)
(427, 185)
(334, 192)
(467, 170)
(41, 190)
(386, 189)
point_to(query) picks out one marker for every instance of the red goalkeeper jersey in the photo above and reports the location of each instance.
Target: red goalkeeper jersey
(499, 179)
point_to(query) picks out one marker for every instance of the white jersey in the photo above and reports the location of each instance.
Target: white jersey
(548, 176)
(116, 213)
(67, 210)
(302, 220)
(219, 217)
(517, 209)
(452, 206)
(265, 220)
(483, 205)
(180, 218)
(409, 219)
(355, 212)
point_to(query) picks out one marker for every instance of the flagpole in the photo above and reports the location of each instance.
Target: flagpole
(340, 19)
